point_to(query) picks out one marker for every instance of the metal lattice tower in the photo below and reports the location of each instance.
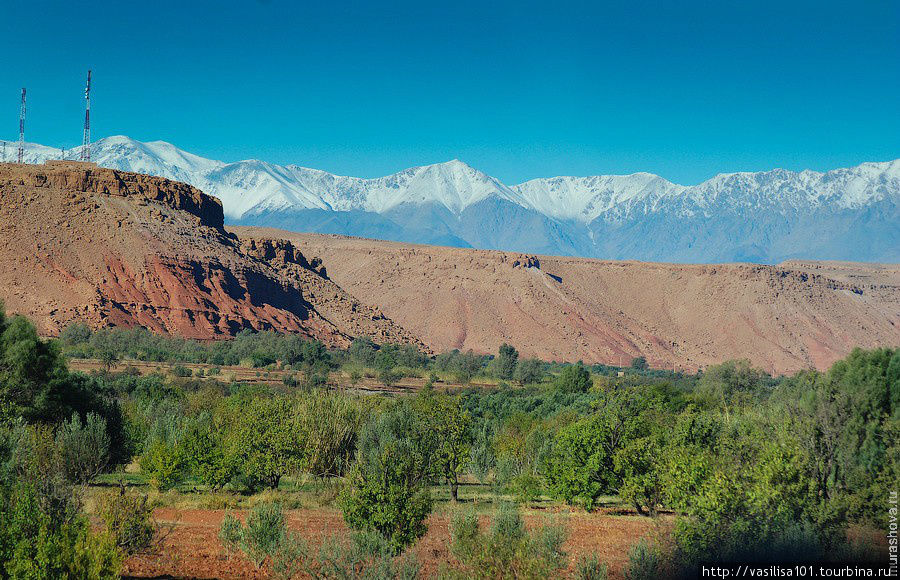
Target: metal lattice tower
(22, 129)
(86, 139)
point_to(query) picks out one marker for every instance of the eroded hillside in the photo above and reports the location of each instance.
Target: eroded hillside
(784, 318)
(115, 248)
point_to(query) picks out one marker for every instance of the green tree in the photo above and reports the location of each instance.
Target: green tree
(530, 370)
(268, 442)
(573, 379)
(385, 491)
(362, 351)
(639, 363)
(205, 448)
(449, 427)
(506, 361)
(581, 466)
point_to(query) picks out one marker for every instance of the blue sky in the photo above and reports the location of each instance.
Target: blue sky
(517, 89)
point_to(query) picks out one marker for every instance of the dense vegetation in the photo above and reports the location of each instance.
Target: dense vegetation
(747, 467)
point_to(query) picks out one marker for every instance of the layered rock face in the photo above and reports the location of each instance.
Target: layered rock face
(114, 248)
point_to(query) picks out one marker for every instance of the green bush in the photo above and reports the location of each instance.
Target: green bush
(42, 533)
(644, 562)
(507, 550)
(128, 518)
(590, 568)
(84, 447)
(50, 550)
(262, 535)
(266, 541)
(164, 463)
(181, 371)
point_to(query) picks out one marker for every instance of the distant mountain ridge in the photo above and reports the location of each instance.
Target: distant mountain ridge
(770, 216)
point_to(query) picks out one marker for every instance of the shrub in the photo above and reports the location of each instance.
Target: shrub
(261, 537)
(42, 535)
(163, 461)
(330, 422)
(644, 562)
(525, 488)
(128, 518)
(266, 540)
(639, 363)
(590, 568)
(507, 550)
(389, 377)
(84, 447)
(181, 371)
(68, 550)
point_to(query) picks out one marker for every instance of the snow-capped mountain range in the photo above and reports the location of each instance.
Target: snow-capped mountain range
(847, 214)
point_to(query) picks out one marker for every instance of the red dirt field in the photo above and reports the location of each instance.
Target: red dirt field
(191, 549)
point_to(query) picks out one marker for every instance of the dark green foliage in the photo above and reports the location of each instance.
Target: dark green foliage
(84, 447)
(42, 533)
(181, 371)
(530, 371)
(507, 550)
(639, 364)
(506, 361)
(573, 379)
(385, 491)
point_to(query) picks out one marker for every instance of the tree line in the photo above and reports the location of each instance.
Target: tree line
(752, 467)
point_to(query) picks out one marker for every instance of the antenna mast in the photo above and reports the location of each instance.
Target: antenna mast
(86, 140)
(22, 129)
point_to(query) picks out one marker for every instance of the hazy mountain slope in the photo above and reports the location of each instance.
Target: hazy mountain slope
(784, 318)
(769, 216)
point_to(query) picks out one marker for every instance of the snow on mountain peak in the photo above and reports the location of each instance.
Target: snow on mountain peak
(254, 187)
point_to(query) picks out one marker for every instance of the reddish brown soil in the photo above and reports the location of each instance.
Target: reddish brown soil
(114, 248)
(191, 549)
(783, 318)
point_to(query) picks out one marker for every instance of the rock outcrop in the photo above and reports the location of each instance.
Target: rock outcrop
(107, 247)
